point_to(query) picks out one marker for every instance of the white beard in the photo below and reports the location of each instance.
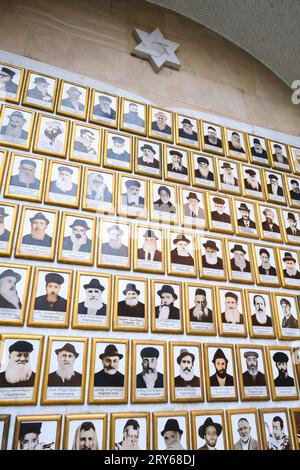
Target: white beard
(131, 302)
(65, 372)
(118, 150)
(2, 228)
(11, 296)
(253, 184)
(133, 198)
(187, 376)
(291, 271)
(17, 373)
(93, 306)
(232, 316)
(64, 185)
(204, 172)
(228, 179)
(99, 196)
(211, 259)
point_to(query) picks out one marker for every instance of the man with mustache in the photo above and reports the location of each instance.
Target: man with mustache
(235, 143)
(220, 378)
(78, 240)
(160, 125)
(73, 100)
(210, 259)
(209, 431)
(186, 132)
(149, 250)
(85, 437)
(219, 214)
(232, 313)
(257, 150)
(131, 434)
(40, 90)
(238, 262)
(52, 301)
(273, 187)
(93, 304)
(149, 377)
(132, 117)
(49, 139)
(18, 370)
(200, 312)
(193, 209)
(163, 204)
(283, 379)
(9, 297)
(38, 236)
(211, 137)
(147, 158)
(109, 376)
(132, 196)
(104, 109)
(265, 267)
(114, 246)
(180, 254)
(260, 317)
(84, 144)
(167, 310)
(97, 189)
(278, 155)
(6, 81)
(117, 151)
(203, 171)
(288, 321)
(227, 177)
(64, 184)
(269, 224)
(290, 270)
(65, 375)
(252, 377)
(131, 306)
(245, 220)
(295, 191)
(176, 165)
(26, 177)
(251, 183)
(246, 442)
(29, 437)
(14, 129)
(292, 229)
(172, 435)
(4, 233)
(186, 377)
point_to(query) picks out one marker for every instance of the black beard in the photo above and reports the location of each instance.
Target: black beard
(52, 134)
(221, 373)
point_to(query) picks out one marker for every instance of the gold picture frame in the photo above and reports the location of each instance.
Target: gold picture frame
(55, 195)
(289, 315)
(212, 271)
(266, 276)
(64, 105)
(130, 120)
(115, 162)
(6, 239)
(235, 184)
(105, 202)
(127, 203)
(237, 275)
(103, 118)
(182, 137)
(256, 301)
(188, 217)
(206, 179)
(47, 146)
(269, 232)
(13, 96)
(188, 268)
(174, 323)
(208, 147)
(264, 425)
(169, 191)
(24, 141)
(89, 418)
(260, 158)
(167, 134)
(231, 326)
(245, 225)
(37, 98)
(254, 444)
(280, 197)
(171, 421)
(141, 261)
(231, 152)
(183, 176)
(281, 392)
(219, 222)
(291, 229)
(283, 166)
(83, 151)
(289, 181)
(114, 258)
(250, 390)
(213, 417)
(294, 153)
(35, 419)
(289, 255)
(209, 326)
(230, 391)
(139, 319)
(141, 167)
(132, 419)
(248, 190)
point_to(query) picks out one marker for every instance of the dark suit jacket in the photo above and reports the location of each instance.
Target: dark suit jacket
(141, 255)
(185, 260)
(267, 228)
(218, 265)
(179, 382)
(173, 315)
(41, 303)
(258, 381)
(279, 190)
(98, 111)
(127, 311)
(210, 176)
(225, 218)
(68, 104)
(14, 181)
(235, 268)
(214, 381)
(140, 383)
(82, 310)
(289, 232)
(54, 380)
(183, 170)
(184, 135)
(5, 236)
(248, 186)
(241, 320)
(241, 223)
(28, 240)
(218, 144)
(68, 245)
(208, 319)
(166, 130)
(24, 383)
(102, 379)
(5, 304)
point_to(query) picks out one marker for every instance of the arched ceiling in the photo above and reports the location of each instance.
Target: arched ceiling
(267, 29)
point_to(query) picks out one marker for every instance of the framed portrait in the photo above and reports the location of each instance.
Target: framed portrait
(220, 372)
(291, 225)
(130, 304)
(235, 144)
(212, 258)
(294, 153)
(203, 170)
(295, 420)
(99, 190)
(11, 81)
(37, 233)
(171, 431)
(266, 265)
(85, 145)
(16, 127)
(77, 241)
(149, 249)
(3, 159)
(50, 298)
(293, 191)
(148, 158)
(166, 307)
(182, 253)
(243, 429)
(117, 151)
(278, 155)
(160, 124)
(63, 184)
(109, 371)
(73, 100)
(149, 379)
(274, 187)
(229, 180)
(92, 301)
(257, 148)
(51, 136)
(270, 226)
(261, 319)
(252, 370)
(219, 213)
(193, 208)
(187, 131)
(287, 315)
(208, 430)
(240, 264)
(25, 178)
(85, 432)
(245, 218)
(20, 369)
(8, 217)
(14, 283)
(200, 314)
(4, 427)
(252, 182)
(38, 432)
(132, 197)
(130, 431)
(186, 375)
(282, 373)
(275, 429)
(212, 138)
(133, 116)
(231, 312)
(40, 91)
(289, 267)
(104, 109)
(164, 203)
(65, 370)
(296, 355)
(114, 249)
(176, 164)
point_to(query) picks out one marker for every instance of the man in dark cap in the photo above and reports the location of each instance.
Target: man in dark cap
(78, 240)
(239, 263)
(273, 187)
(176, 165)
(167, 310)
(219, 214)
(251, 182)
(211, 138)
(52, 301)
(131, 306)
(132, 196)
(73, 100)
(209, 431)
(269, 225)
(131, 434)
(200, 312)
(149, 377)
(18, 371)
(235, 143)
(147, 158)
(65, 375)
(186, 132)
(93, 304)
(132, 117)
(14, 129)
(28, 438)
(84, 144)
(210, 259)
(193, 209)
(109, 376)
(292, 229)
(172, 435)
(260, 317)
(203, 171)
(252, 377)
(4, 233)
(114, 246)
(245, 220)
(246, 441)
(288, 321)
(220, 378)
(40, 90)
(160, 125)
(265, 268)
(227, 176)
(26, 178)
(64, 184)
(283, 380)
(163, 204)
(257, 150)
(38, 235)
(231, 313)
(290, 271)
(278, 155)
(104, 109)
(186, 377)
(6, 81)
(149, 250)
(9, 297)
(180, 254)
(118, 151)
(295, 191)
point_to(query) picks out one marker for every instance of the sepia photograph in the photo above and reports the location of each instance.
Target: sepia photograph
(187, 131)
(160, 124)
(229, 180)
(193, 208)
(289, 267)
(14, 284)
(51, 136)
(85, 432)
(8, 217)
(212, 138)
(117, 151)
(166, 307)
(252, 371)
(287, 315)
(40, 91)
(85, 145)
(257, 148)
(243, 429)
(73, 100)
(203, 171)
(104, 109)
(130, 304)
(133, 116)
(149, 249)
(219, 213)
(235, 143)
(261, 318)
(148, 158)
(269, 222)
(25, 178)
(132, 197)
(208, 430)
(164, 203)
(200, 314)
(291, 226)
(16, 127)
(171, 431)
(63, 184)
(130, 431)
(274, 187)
(245, 219)
(176, 164)
(11, 81)
(282, 373)
(240, 265)
(182, 253)
(278, 155)
(231, 312)
(114, 250)
(99, 191)
(220, 372)
(38, 432)
(212, 258)
(275, 429)
(252, 182)
(266, 265)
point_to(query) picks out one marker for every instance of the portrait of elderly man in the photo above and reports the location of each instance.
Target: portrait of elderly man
(78, 240)
(283, 379)
(273, 186)
(193, 207)
(166, 310)
(211, 137)
(186, 131)
(220, 378)
(73, 100)
(132, 196)
(265, 266)
(180, 254)
(257, 149)
(160, 124)
(149, 250)
(288, 320)
(295, 191)
(4, 233)
(18, 371)
(103, 108)
(14, 129)
(131, 306)
(290, 270)
(251, 181)
(203, 171)
(239, 262)
(29, 437)
(277, 439)
(7, 85)
(64, 184)
(172, 435)
(9, 297)
(235, 143)
(278, 155)
(38, 235)
(97, 188)
(65, 375)
(186, 377)
(26, 177)
(49, 138)
(200, 312)
(252, 377)
(219, 214)
(292, 228)
(246, 441)
(84, 143)
(131, 435)
(176, 166)
(114, 246)
(52, 301)
(232, 313)
(85, 437)
(150, 377)
(109, 375)
(163, 204)
(118, 151)
(210, 259)
(227, 175)
(209, 431)
(148, 157)
(132, 117)
(40, 90)
(93, 303)
(260, 316)
(269, 224)
(245, 219)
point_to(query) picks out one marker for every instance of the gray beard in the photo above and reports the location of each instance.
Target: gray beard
(211, 259)
(17, 373)
(187, 376)
(93, 305)
(253, 373)
(65, 372)
(131, 303)
(64, 186)
(10, 296)
(13, 131)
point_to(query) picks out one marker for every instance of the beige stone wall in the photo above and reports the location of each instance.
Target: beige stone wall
(94, 38)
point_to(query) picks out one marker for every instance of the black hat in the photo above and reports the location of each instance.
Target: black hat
(231, 294)
(186, 121)
(285, 301)
(28, 162)
(115, 227)
(183, 353)
(219, 354)
(218, 200)
(192, 195)
(54, 277)
(181, 238)
(280, 357)
(288, 257)
(21, 346)
(118, 139)
(9, 72)
(94, 284)
(69, 348)
(150, 234)
(66, 168)
(291, 216)
(39, 216)
(164, 188)
(29, 427)
(273, 177)
(149, 351)
(10, 273)
(148, 147)
(277, 146)
(250, 172)
(295, 182)
(200, 292)
(264, 251)
(227, 165)
(203, 160)
(104, 98)
(17, 113)
(167, 289)
(172, 425)
(250, 353)
(110, 351)
(209, 422)
(243, 207)
(3, 213)
(256, 141)
(211, 244)
(81, 223)
(176, 152)
(129, 183)
(40, 80)
(131, 422)
(131, 287)
(238, 248)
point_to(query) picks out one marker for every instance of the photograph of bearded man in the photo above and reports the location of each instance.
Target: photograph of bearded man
(65, 374)
(18, 371)
(9, 296)
(186, 363)
(150, 377)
